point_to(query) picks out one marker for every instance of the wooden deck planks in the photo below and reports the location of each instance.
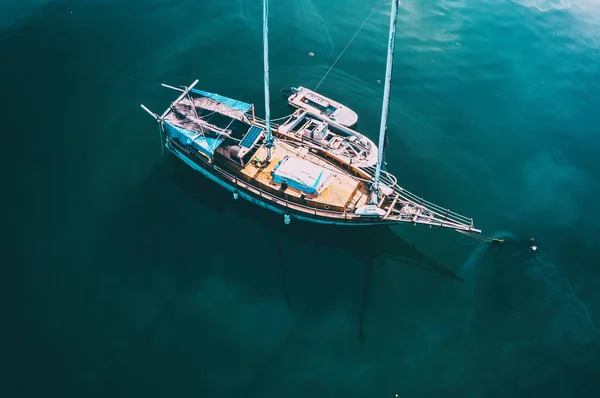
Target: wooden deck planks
(337, 194)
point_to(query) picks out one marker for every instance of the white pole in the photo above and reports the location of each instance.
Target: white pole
(269, 142)
(386, 96)
(154, 115)
(173, 88)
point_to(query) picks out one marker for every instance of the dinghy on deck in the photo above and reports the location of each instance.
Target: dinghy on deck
(346, 145)
(315, 103)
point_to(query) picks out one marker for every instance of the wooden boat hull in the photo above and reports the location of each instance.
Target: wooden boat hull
(254, 195)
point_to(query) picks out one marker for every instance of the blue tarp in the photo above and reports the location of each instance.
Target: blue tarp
(302, 175)
(235, 104)
(207, 145)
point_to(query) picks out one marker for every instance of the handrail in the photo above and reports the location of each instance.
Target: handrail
(423, 211)
(437, 216)
(275, 198)
(270, 196)
(448, 223)
(419, 202)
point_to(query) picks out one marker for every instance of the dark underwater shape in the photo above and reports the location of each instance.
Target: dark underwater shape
(382, 242)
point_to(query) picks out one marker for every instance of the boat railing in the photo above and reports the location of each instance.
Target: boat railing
(423, 211)
(281, 201)
(272, 123)
(273, 198)
(420, 210)
(431, 216)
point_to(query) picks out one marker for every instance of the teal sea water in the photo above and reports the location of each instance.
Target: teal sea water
(126, 275)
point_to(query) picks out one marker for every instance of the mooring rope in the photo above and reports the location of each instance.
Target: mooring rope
(162, 146)
(347, 45)
(480, 237)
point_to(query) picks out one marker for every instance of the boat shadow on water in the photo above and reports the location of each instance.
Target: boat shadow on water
(372, 246)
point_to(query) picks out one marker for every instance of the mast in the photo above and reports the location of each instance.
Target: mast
(386, 98)
(269, 142)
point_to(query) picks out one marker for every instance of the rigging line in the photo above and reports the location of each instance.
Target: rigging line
(225, 129)
(272, 120)
(483, 238)
(162, 146)
(192, 104)
(347, 45)
(406, 200)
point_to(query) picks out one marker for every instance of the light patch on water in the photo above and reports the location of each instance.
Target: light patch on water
(547, 5)
(245, 323)
(225, 306)
(553, 5)
(470, 273)
(13, 12)
(246, 12)
(553, 188)
(571, 317)
(423, 130)
(308, 19)
(586, 11)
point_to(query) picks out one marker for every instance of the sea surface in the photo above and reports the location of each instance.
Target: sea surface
(126, 275)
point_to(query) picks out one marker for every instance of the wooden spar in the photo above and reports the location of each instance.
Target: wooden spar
(269, 143)
(154, 115)
(183, 94)
(173, 88)
(386, 96)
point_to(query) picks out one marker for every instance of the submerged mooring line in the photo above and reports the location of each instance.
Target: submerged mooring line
(281, 263)
(363, 302)
(434, 268)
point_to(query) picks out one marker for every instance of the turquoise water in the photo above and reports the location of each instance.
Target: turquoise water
(130, 277)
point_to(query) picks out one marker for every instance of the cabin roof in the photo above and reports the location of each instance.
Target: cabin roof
(302, 174)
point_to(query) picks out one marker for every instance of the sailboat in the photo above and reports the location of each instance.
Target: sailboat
(223, 140)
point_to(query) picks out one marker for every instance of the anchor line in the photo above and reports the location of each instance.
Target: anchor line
(487, 239)
(347, 45)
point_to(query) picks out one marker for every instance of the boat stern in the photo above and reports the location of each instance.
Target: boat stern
(345, 116)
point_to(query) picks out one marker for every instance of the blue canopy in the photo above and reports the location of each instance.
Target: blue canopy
(235, 104)
(198, 141)
(302, 175)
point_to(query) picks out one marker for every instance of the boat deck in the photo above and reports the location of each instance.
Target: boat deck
(339, 193)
